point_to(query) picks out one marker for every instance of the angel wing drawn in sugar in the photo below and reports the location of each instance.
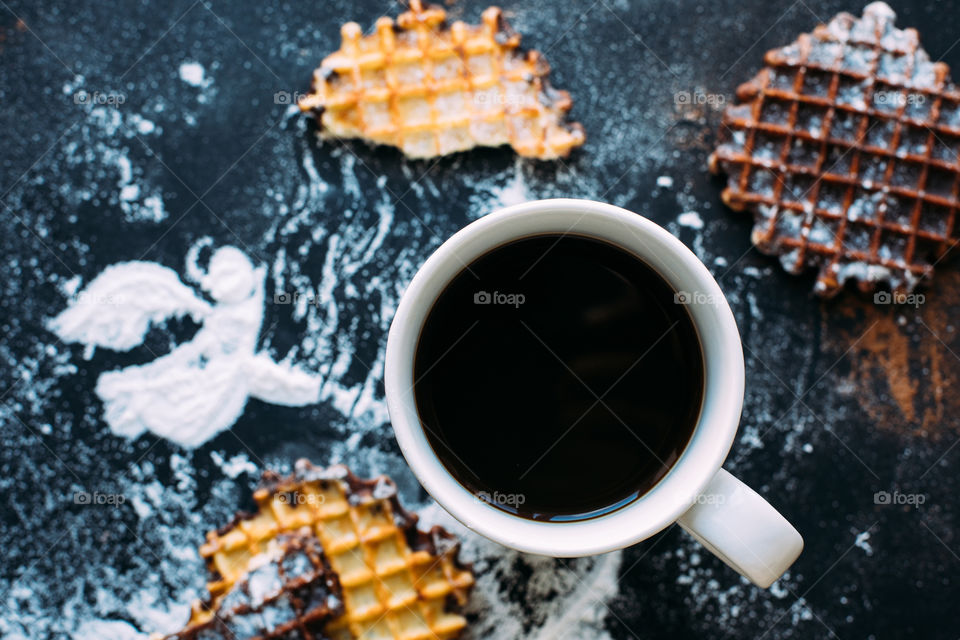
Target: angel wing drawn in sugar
(119, 305)
(201, 387)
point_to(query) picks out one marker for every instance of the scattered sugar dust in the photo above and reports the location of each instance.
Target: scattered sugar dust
(195, 75)
(862, 542)
(505, 191)
(100, 147)
(726, 598)
(690, 219)
(234, 466)
(336, 256)
(125, 594)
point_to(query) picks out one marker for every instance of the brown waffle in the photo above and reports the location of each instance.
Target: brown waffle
(845, 148)
(396, 581)
(285, 590)
(432, 89)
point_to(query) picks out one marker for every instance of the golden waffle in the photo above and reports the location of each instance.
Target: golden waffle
(286, 589)
(432, 89)
(845, 149)
(396, 581)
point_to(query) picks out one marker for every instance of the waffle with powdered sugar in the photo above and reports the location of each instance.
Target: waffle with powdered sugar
(432, 88)
(846, 150)
(330, 556)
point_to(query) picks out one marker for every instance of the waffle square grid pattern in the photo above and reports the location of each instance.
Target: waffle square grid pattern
(393, 586)
(846, 150)
(432, 89)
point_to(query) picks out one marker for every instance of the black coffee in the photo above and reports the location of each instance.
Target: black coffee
(557, 378)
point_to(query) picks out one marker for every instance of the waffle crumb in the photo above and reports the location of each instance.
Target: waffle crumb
(431, 89)
(845, 150)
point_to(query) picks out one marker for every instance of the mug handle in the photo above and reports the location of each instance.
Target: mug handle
(738, 526)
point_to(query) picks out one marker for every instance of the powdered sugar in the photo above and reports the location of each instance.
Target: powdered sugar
(234, 466)
(690, 219)
(861, 542)
(194, 74)
(200, 388)
(665, 182)
(99, 145)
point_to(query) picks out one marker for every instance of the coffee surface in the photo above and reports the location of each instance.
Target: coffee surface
(557, 378)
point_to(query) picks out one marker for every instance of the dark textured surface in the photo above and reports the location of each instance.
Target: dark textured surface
(844, 399)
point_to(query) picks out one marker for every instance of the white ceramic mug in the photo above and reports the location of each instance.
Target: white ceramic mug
(721, 512)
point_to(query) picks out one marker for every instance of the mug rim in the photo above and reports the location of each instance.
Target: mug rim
(711, 438)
